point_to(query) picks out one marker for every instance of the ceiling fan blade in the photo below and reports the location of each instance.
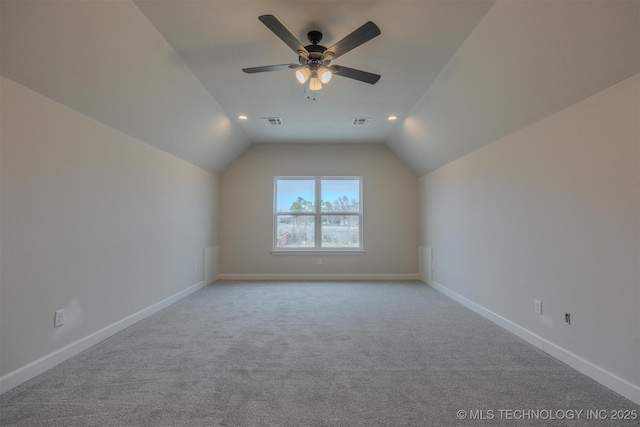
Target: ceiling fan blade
(352, 73)
(279, 30)
(355, 39)
(271, 68)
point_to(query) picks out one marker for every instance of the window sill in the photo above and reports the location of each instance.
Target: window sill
(316, 252)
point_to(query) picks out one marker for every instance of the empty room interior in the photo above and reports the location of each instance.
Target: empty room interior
(320, 213)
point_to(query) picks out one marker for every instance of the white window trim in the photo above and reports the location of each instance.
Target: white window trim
(314, 251)
(318, 249)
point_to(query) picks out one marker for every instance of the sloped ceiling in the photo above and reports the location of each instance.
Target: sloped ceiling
(458, 74)
(524, 61)
(417, 40)
(105, 60)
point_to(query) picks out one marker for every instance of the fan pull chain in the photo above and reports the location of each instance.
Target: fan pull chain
(308, 94)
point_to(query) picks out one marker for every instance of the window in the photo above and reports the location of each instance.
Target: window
(317, 214)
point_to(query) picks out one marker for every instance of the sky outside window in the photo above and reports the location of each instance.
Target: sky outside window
(288, 191)
(333, 189)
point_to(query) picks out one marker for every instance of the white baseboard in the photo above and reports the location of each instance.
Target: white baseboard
(243, 276)
(25, 373)
(604, 377)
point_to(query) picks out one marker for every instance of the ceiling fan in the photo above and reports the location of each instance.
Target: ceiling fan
(314, 60)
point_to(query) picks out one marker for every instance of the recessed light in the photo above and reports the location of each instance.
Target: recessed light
(392, 117)
(242, 117)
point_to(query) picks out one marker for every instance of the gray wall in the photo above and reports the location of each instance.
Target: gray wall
(93, 222)
(550, 212)
(390, 211)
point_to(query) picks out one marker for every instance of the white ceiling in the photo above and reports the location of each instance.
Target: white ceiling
(458, 74)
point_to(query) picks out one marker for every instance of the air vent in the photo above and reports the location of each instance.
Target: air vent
(272, 121)
(361, 121)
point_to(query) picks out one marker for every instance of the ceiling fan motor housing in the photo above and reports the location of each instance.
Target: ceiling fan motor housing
(315, 50)
(314, 36)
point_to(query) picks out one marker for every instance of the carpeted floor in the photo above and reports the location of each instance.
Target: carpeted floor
(312, 354)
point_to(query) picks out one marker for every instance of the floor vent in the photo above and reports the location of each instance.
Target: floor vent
(272, 121)
(361, 121)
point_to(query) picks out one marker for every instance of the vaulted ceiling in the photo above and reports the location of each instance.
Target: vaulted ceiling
(457, 74)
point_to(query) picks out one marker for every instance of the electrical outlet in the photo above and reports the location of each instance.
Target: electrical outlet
(195, 268)
(58, 318)
(537, 307)
(319, 261)
(567, 318)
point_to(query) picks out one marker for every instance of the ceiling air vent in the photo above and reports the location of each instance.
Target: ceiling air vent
(272, 121)
(361, 121)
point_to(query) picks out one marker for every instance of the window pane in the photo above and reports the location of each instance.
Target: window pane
(295, 195)
(295, 231)
(340, 231)
(340, 195)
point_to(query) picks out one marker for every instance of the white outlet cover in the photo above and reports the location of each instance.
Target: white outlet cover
(58, 318)
(538, 307)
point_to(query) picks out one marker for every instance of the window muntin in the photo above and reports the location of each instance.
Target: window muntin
(317, 213)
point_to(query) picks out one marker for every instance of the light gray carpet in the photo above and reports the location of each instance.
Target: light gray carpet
(308, 354)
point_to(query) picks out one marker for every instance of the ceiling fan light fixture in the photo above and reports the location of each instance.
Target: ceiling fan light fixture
(302, 75)
(325, 75)
(315, 83)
